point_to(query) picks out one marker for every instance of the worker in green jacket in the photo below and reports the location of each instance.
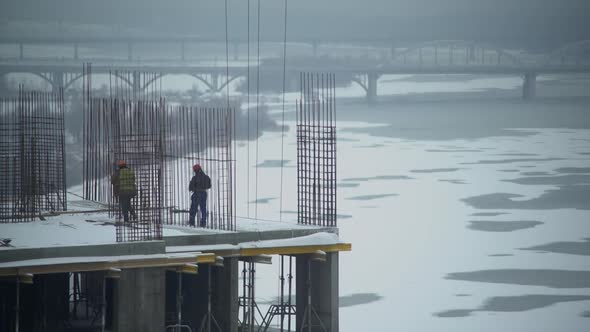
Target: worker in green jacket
(123, 182)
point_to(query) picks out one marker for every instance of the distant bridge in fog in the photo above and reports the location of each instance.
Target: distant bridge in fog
(438, 57)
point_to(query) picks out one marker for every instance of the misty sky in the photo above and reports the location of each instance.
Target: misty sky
(537, 21)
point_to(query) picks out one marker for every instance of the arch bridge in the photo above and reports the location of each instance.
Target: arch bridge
(439, 57)
(465, 57)
(214, 79)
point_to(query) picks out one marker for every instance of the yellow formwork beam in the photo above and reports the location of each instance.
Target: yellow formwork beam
(295, 250)
(201, 258)
(207, 258)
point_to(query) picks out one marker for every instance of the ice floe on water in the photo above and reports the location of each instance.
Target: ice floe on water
(499, 213)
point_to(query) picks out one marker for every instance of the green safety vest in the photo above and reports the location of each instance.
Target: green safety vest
(127, 181)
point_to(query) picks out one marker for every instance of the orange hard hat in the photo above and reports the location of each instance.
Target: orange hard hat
(121, 163)
(196, 167)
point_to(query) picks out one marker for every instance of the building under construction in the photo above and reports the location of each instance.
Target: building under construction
(69, 263)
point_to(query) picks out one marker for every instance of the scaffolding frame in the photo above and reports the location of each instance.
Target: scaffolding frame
(285, 308)
(251, 314)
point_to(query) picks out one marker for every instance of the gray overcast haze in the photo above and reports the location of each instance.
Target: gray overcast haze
(539, 23)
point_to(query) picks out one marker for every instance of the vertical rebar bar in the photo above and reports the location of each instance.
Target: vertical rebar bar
(316, 150)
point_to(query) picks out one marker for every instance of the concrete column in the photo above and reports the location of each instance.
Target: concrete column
(50, 301)
(324, 292)
(194, 297)
(372, 87)
(225, 293)
(301, 289)
(140, 300)
(529, 86)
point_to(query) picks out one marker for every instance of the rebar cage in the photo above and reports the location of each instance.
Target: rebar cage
(160, 143)
(139, 141)
(316, 150)
(128, 125)
(201, 136)
(32, 155)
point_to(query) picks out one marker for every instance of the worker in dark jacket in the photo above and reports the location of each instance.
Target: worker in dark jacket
(199, 185)
(123, 182)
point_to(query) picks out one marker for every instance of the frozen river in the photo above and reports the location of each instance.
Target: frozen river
(464, 215)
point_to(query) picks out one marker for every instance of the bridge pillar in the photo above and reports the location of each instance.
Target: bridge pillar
(236, 51)
(436, 54)
(293, 83)
(529, 86)
(3, 85)
(129, 51)
(451, 53)
(472, 53)
(58, 80)
(372, 87)
(136, 83)
(215, 82)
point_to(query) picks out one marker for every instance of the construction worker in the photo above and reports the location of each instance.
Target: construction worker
(124, 188)
(199, 185)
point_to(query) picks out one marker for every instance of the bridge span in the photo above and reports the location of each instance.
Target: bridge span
(442, 57)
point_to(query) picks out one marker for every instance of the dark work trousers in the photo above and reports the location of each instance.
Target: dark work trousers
(126, 206)
(198, 201)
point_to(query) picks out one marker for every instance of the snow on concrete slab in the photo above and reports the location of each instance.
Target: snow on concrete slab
(98, 228)
(199, 248)
(92, 259)
(244, 224)
(93, 228)
(65, 230)
(316, 239)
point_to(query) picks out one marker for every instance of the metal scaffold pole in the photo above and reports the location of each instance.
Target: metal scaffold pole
(247, 301)
(209, 318)
(17, 307)
(284, 309)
